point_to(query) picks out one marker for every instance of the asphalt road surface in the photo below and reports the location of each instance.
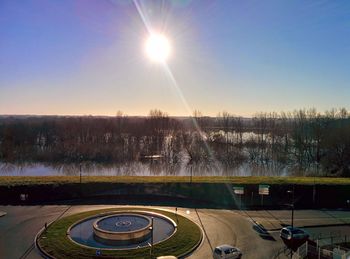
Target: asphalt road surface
(21, 223)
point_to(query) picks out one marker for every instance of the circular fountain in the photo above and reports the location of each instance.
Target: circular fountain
(122, 228)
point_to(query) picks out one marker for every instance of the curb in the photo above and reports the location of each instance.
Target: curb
(194, 248)
(41, 251)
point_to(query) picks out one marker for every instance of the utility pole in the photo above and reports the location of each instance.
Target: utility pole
(292, 216)
(151, 252)
(81, 160)
(80, 180)
(191, 175)
(292, 204)
(314, 187)
(80, 173)
(292, 219)
(293, 207)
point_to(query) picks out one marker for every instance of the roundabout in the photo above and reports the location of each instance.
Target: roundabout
(126, 233)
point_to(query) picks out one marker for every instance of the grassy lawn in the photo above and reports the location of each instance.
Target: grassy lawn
(37, 180)
(56, 243)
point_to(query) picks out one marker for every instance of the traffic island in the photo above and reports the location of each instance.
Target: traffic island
(73, 236)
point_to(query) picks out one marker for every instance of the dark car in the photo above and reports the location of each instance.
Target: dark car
(289, 233)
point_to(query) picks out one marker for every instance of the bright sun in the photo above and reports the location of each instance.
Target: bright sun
(158, 47)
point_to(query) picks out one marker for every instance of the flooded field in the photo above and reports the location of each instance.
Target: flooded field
(150, 168)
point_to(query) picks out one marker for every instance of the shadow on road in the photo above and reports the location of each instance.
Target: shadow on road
(263, 232)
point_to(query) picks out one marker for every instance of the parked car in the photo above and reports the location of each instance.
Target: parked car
(289, 233)
(227, 251)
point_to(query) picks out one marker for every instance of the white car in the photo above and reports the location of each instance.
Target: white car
(227, 251)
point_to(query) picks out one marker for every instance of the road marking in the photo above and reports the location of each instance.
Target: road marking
(28, 251)
(205, 232)
(223, 222)
(288, 219)
(32, 246)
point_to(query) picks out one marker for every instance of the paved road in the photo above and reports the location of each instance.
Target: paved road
(19, 227)
(21, 223)
(274, 219)
(233, 228)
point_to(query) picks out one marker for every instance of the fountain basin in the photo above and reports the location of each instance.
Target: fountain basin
(122, 227)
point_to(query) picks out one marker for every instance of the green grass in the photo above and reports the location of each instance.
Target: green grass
(60, 180)
(56, 243)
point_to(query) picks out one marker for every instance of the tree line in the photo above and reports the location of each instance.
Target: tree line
(303, 138)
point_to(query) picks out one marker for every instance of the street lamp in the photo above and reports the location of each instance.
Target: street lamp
(191, 174)
(292, 204)
(292, 207)
(81, 160)
(80, 172)
(151, 228)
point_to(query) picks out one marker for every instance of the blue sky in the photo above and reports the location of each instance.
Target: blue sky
(87, 56)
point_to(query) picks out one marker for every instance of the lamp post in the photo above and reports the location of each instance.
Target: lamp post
(292, 219)
(292, 204)
(314, 187)
(81, 160)
(80, 173)
(151, 228)
(191, 174)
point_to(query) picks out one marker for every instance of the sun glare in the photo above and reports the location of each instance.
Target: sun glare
(157, 48)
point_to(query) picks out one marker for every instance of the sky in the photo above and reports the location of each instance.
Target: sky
(87, 57)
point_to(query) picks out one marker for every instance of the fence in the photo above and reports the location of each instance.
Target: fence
(283, 253)
(333, 238)
(311, 251)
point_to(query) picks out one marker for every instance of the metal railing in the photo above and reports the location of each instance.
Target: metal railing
(308, 250)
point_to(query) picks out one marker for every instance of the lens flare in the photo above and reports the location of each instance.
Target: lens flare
(158, 48)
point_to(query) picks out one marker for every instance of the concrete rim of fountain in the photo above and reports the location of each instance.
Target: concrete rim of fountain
(135, 235)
